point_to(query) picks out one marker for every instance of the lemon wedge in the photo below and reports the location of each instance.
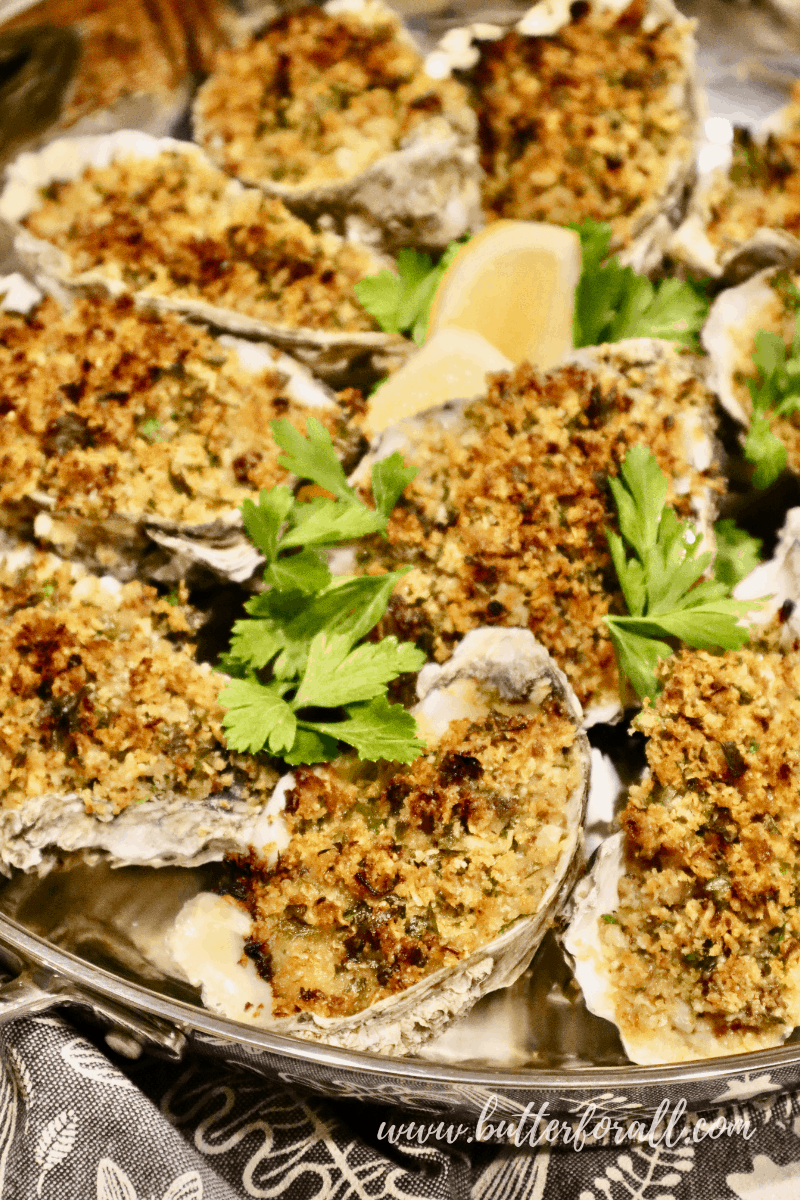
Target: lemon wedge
(514, 283)
(452, 365)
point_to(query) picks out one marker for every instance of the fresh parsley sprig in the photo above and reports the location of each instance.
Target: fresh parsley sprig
(775, 393)
(612, 302)
(738, 553)
(659, 570)
(401, 303)
(305, 681)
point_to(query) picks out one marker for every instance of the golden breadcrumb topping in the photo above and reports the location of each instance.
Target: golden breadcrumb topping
(778, 315)
(708, 924)
(392, 874)
(98, 697)
(762, 188)
(505, 522)
(592, 121)
(316, 98)
(176, 226)
(107, 409)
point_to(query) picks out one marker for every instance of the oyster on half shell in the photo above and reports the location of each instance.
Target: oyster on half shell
(138, 435)
(356, 131)
(112, 741)
(154, 218)
(583, 112)
(394, 932)
(685, 932)
(506, 519)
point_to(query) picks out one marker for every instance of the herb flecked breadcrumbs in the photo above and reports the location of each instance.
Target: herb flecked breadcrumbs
(176, 226)
(707, 933)
(393, 874)
(505, 522)
(317, 98)
(99, 696)
(589, 122)
(110, 409)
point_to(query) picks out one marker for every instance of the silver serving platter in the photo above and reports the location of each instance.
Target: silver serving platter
(529, 1045)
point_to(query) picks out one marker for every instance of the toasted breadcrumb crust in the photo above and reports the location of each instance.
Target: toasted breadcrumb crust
(316, 98)
(99, 696)
(107, 409)
(587, 122)
(762, 188)
(779, 316)
(176, 226)
(708, 926)
(389, 878)
(505, 522)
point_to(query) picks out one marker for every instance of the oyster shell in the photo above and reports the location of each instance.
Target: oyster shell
(492, 670)
(469, 501)
(419, 187)
(734, 228)
(103, 763)
(542, 176)
(717, 978)
(158, 498)
(201, 261)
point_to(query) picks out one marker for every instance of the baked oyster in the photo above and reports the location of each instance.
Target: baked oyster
(686, 933)
(154, 218)
(331, 109)
(404, 894)
(132, 437)
(111, 741)
(505, 522)
(746, 216)
(588, 110)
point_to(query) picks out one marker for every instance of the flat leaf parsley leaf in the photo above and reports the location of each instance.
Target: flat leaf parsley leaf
(775, 392)
(737, 552)
(401, 303)
(612, 302)
(303, 679)
(659, 570)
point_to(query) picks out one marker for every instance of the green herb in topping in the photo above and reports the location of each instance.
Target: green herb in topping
(612, 302)
(609, 919)
(151, 429)
(660, 580)
(48, 588)
(753, 747)
(774, 393)
(301, 650)
(401, 303)
(737, 553)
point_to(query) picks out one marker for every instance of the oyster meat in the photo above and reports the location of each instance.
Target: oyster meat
(587, 111)
(332, 110)
(152, 217)
(136, 436)
(505, 521)
(403, 895)
(111, 741)
(745, 217)
(686, 933)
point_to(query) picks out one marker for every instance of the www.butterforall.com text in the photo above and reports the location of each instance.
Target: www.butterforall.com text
(537, 1127)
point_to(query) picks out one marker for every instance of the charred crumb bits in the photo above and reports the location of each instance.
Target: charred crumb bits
(95, 698)
(315, 98)
(505, 522)
(708, 925)
(118, 410)
(391, 875)
(585, 123)
(174, 226)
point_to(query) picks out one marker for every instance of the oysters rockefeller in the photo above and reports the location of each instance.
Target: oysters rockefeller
(686, 934)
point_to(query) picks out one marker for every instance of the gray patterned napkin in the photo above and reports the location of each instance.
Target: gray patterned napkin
(76, 1124)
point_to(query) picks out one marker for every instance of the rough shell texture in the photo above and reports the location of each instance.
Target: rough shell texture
(658, 217)
(425, 194)
(733, 316)
(512, 662)
(778, 579)
(170, 831)
(698, 434)
(145, 545)
(331, 355)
